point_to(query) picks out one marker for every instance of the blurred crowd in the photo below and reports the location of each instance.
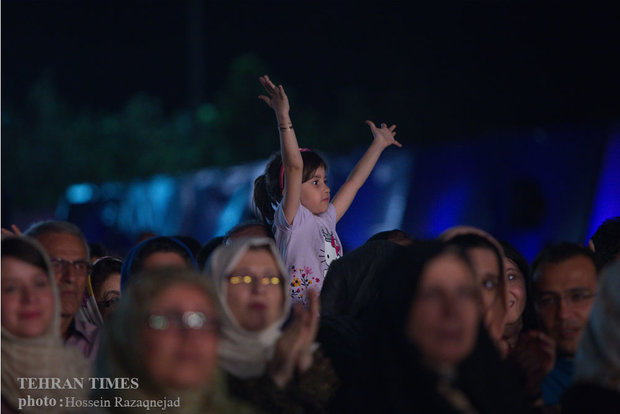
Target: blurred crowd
(458, 324)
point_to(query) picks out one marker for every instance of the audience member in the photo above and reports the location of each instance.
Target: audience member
(531, 351)
(596, 386)
(605, 242)
(487, 258)
(279, 370)
(293, 196)
(165, 337)
(32, 346)
(426, 326)
(520, 315)
(350, 284)
(106, 284)
(351, 288)
(156, 253)
(68, 251)
(564, 281)
(104, 280)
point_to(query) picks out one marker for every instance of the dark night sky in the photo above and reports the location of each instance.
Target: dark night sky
(471, 64)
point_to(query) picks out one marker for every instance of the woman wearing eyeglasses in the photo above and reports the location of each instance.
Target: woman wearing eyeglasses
(31, 344)
(164, 335)
(276, 368)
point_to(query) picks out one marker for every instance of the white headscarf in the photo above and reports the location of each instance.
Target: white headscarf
(43, 356)
(244, 353)
(598, 356)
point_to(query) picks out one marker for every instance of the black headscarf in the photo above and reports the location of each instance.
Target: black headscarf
(394, 377)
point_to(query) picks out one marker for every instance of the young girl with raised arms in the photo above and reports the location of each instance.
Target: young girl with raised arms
(295, 184)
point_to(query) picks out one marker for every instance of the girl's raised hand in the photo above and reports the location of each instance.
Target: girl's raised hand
(277, 98)
(384, 135)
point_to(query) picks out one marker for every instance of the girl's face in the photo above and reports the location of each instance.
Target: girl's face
(315, 192)
(515, 282)
(255, 291)
(180, 338)
(27, 298)
(444, 315)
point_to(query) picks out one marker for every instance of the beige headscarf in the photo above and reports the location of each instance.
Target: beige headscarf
(120, 355)
(598, 356)
(42, 356)
(243, 353)
(498, 309)
(452, 232)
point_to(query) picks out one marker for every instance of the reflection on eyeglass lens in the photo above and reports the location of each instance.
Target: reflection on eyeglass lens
(251, 279)
(185, 320)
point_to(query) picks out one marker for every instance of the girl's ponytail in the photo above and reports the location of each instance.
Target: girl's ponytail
(262, 202)
(267, 193)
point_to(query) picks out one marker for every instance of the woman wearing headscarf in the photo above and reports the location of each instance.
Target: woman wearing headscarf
(103, 290)
(164, 334)
(31, 343)
(105, 284)
(486, 255)
(426, 350)
(279, 369)
(156, 253)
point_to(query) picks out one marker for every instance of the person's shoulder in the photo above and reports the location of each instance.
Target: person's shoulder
(301, 216)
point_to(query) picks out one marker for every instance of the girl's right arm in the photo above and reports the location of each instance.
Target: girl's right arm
(291, 157)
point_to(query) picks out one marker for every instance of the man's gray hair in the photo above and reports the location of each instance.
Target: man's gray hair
(55, 226)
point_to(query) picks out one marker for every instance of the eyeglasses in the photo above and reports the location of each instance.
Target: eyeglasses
(81, 267)
(252, 280)
(185, 320)
(573, 298)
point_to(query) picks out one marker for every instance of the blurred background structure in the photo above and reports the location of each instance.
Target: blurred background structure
(125, 116)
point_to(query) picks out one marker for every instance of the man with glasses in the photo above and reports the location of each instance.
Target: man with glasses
(68, 251)
(564, 279)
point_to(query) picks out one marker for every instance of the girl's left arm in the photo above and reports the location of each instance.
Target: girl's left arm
(383, 138)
